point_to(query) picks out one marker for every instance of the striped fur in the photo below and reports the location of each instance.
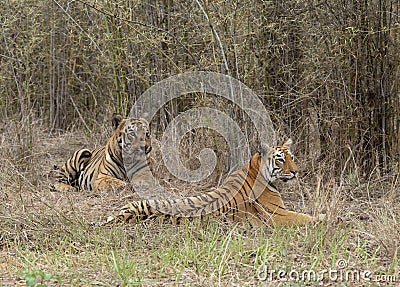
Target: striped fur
(248, 194)
(104, 168)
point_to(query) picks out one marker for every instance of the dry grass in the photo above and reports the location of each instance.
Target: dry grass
(45, 231)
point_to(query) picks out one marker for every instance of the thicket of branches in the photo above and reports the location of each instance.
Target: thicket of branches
(327, 70)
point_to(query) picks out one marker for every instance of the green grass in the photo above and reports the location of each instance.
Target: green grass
(207, 254)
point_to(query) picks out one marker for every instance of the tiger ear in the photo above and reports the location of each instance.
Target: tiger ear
(143, 120)
(116, 120)
(288, 143)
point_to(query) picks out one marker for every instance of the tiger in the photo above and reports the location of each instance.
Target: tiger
(247, 194)
(112, 167)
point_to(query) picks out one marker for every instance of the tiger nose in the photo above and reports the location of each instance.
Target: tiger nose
(294, 169)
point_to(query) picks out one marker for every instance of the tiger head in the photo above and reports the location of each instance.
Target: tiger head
(131, 136)
(278, 163)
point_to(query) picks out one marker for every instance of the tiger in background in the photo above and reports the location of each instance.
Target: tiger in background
(248, 193)
(122, 160)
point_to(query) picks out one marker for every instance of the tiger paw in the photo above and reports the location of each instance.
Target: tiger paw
(106, 223)
(110, 221)
(109, 184)
(62, 187)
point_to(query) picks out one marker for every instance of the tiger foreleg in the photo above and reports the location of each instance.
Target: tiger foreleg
(63, 187)
(289, 218)
(108, 183)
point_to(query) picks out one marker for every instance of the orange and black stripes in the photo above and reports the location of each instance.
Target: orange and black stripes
(69, 173)
(104, 167)
(247, 193)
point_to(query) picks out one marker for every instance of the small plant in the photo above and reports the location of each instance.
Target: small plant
(38, 278)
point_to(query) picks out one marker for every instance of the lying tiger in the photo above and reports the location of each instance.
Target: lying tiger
(248, 193)
(123, 158)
